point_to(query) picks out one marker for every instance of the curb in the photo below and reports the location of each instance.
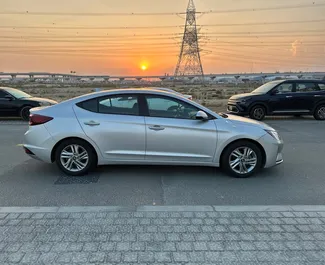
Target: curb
(252, 208)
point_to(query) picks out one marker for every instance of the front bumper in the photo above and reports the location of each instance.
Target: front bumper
(237, 108)
(273, 150)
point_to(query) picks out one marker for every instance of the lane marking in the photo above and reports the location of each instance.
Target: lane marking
(19, 145)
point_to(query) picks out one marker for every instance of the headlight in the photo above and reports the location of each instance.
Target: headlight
(244, 100)
(44, 103)
(274, 134)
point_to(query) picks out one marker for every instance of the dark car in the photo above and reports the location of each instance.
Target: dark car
(16, 103)
(289, 97)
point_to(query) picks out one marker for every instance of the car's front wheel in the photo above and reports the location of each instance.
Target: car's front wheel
(319, 113)
(242, 159)
(75, 157)
(257, 113)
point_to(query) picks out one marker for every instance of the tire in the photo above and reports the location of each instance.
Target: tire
(231, 153)
(79, 147)
(24, 113)
(258, 112)
(319, 113)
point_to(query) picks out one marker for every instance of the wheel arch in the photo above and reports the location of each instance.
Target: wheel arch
(71, 138)
(263, 104)
(248, 140)
(321, 102)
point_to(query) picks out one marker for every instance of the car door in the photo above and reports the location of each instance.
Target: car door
(115, 125)
(306, 95)
(173, 133)
(7, 105)
(282, 98)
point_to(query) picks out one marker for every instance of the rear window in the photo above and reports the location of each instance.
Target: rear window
(90, 105)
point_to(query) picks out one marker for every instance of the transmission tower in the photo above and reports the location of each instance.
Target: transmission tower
(189, 60)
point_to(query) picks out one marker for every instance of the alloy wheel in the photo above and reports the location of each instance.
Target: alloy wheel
(258, 113)
(321, 113)
(243, 160)
(74, 158)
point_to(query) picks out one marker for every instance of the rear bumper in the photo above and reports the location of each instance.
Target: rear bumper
(38, 143)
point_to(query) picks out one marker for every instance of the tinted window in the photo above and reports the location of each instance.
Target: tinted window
(306, 87)
(123, 105)
(2, 94)
(166, 107)
(284, 88)
(90, 105)
(321, 86)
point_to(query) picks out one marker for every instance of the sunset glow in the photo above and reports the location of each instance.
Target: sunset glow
(247, 36)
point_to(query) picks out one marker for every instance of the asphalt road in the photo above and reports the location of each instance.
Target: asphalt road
(300, 180)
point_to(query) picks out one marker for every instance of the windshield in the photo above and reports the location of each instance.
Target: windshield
(17, 93)
(266, 87)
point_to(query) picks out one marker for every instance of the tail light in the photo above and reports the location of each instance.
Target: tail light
(35, 119)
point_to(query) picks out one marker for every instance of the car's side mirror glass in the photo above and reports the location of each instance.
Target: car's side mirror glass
(201, 115)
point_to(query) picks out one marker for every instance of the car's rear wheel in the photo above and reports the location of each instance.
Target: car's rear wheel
(319, 113)
(24, 113)
(242, 159)
(75, 157)
(258, 112)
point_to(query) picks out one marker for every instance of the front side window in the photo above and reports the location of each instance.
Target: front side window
(3, 94)
(284, 88)
(120, 105)
(306, 87)
(166, 107)
(321, 86)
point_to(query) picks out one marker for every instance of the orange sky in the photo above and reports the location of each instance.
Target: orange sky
(225, 48)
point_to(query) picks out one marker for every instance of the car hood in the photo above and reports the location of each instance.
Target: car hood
(241, 96)
(41, 100)
(238, 120)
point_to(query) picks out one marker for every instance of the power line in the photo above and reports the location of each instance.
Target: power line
(284, 7)
(265, 32)
(51, 27)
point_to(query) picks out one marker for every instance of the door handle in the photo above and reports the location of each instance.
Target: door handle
(288, 96)
(91, 123)
(156, 128)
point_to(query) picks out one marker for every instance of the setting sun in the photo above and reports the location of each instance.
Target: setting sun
(144, 67)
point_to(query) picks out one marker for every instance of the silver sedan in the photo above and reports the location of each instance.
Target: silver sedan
(147, 126)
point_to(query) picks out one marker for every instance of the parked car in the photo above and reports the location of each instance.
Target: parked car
(190, 97)
(16, 103)
(290, 97)
(147, 126)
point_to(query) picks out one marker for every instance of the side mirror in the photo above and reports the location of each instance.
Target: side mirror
(9, 97)
(201, 115)
(275, 91)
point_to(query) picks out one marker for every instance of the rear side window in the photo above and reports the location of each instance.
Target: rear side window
(90, 105)
(120, 105)
(306, 87)
(321, 86)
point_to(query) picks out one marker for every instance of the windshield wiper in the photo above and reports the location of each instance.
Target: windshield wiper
(223, 115)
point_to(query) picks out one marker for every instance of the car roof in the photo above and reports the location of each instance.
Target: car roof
(302, 80)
